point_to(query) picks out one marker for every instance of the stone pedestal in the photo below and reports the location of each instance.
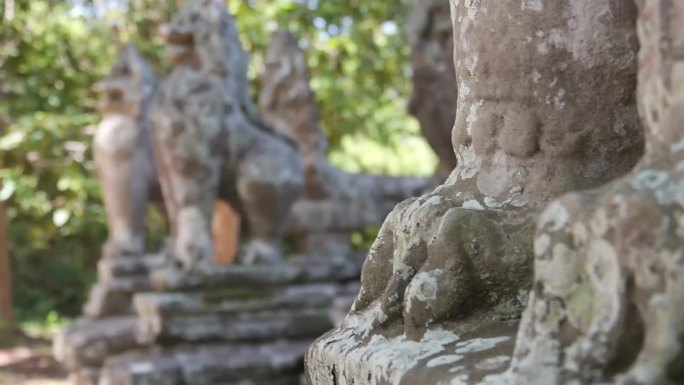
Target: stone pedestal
(233, 324)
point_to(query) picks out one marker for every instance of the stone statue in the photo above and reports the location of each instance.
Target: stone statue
(210, 142)
(433, 102)
(333, 202)
(548, 108)
(521, 139)
(123, 152)
(609, 270)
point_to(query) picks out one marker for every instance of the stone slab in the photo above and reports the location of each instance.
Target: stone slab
(297, 271)
(278, 363)
(234, 301)
(117, 280)
(113, 298)
(254, 326)
(87, 343)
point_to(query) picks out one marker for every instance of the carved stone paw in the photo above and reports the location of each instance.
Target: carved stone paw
(435, 260)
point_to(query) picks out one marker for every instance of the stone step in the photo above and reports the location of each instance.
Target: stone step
(114, 297)
(247, 314)
(298, 271)
(234, 326)
(235, 300)
(87, 343)
(278, 363)
(111, 268)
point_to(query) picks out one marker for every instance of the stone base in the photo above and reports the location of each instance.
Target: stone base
(469, 353)
(277, 363)
(86, 344)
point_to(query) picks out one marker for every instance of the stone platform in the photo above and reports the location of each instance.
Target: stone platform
(147, 322)
(227, 326)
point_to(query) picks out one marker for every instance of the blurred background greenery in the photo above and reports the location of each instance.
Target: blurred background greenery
(53, 51)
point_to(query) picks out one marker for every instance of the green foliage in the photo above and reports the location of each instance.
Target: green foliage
(56, 220)
(52, 52)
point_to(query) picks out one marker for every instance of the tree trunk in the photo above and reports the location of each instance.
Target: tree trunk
(6, 308)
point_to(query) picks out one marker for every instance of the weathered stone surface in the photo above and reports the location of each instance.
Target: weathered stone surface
(271, 364)
(142, 369)
(85, 344)
(609, 271)
(117, 280)
(211, 144)
(333, 202)
(123, 152)
(439, 357)
(113, 298)
(298, 271)
(428, 31)
(527, 129)
(238, 314)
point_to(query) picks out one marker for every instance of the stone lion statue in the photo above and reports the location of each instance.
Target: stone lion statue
(211, 144)
(123, 152)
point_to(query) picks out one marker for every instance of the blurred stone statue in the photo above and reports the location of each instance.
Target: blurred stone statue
(333, 202)
(123, 152)
(433, 103)
(211, 144)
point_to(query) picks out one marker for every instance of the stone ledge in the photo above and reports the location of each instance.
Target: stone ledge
(297, 271)
(278, 363)
(87, 343)
(476, 355)
(256, 326)
(234, 301)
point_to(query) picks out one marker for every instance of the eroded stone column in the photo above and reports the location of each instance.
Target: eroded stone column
(609, 270)
(546, 105)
